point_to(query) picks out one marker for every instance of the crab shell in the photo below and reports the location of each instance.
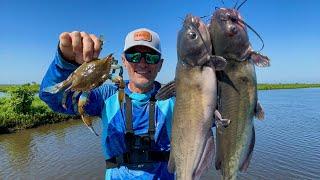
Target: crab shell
(90, 75)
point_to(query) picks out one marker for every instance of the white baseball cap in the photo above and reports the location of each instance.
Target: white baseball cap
(142, 37)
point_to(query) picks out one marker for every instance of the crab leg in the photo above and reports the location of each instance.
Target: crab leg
(64, 99)
(83, 100)
(115, 66)
(74, 101)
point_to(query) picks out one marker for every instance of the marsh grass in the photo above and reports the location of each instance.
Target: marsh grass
(6, 87)
(19, 111)
(40, 114)
(286, 86)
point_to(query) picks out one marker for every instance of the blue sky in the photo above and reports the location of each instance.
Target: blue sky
(29, 32)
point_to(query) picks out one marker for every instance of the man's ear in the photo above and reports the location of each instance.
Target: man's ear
(160, 65)
(124, 61)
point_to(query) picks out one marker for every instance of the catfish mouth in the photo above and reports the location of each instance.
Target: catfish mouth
(231, 31)
(230, 34)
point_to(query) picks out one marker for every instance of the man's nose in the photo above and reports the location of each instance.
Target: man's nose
(143, 62)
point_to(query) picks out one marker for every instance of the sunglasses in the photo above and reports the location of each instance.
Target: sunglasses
(149, 58)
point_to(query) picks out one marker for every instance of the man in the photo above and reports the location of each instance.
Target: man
(135, 137)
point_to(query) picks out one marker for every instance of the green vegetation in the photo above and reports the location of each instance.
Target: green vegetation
(21, 109)
(286, 86)
(33, 86)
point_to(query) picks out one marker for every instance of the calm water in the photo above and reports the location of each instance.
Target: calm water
(2, 94)
(287, 144)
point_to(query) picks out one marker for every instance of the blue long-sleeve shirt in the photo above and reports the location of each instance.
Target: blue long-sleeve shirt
(103, 102)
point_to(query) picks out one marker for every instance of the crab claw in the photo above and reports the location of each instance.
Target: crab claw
(83, 100)
(88, 122)
(121, 84)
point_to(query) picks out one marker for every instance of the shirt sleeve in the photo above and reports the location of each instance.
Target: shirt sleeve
(58, 71)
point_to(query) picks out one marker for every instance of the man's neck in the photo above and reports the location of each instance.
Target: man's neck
(136, 89)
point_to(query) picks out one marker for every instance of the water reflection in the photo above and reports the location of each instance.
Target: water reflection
(58, 150)
(17, 150)
(287, 141)
(2, 94)
(287, 144)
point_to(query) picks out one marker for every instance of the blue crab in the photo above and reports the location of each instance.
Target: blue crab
(85, 78)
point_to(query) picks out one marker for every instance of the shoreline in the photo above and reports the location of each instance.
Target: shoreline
(38, 114)
(261, 86)
(10, 130)
(11, 123)
(266, 86)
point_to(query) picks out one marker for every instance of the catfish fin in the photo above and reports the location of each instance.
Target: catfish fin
(259, 60)
(167, 91)
(218, 163)
(218, 62)
(246, 162)
(218, 156)
(171, 164)
(220, 121)
(206, 158)
(259, 112)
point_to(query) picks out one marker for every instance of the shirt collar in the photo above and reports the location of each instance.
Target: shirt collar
(142, 96)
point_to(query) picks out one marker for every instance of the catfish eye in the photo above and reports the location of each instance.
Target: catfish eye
(192, 35)
(233, 18)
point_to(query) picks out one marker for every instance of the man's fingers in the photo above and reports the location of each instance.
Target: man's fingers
(77, 46)
(65, 45)
(65, 39)
(87, 47)
(97, 45)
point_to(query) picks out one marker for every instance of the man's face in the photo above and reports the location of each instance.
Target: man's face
(141, 74)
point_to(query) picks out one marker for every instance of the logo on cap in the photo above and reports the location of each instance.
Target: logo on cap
(142, 36)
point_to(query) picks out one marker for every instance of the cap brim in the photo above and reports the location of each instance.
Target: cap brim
(143, 43)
